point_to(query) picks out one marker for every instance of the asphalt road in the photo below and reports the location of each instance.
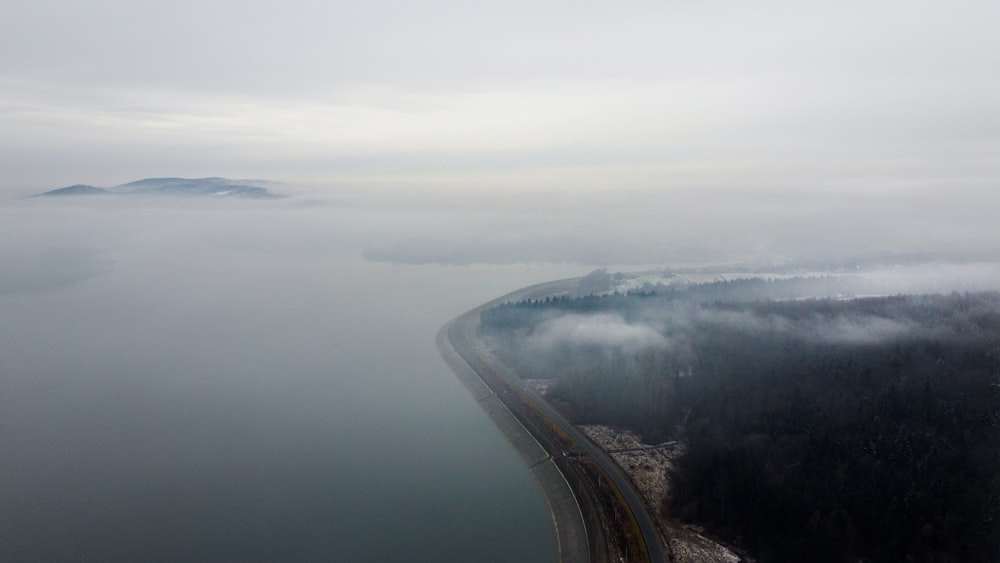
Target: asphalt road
(624, 484)
(595, 453)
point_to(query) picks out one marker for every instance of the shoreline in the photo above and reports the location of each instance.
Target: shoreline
(581, 484)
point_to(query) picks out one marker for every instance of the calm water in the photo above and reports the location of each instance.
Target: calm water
(210, 383)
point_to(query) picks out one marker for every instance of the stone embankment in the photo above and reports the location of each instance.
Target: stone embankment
(571, 530)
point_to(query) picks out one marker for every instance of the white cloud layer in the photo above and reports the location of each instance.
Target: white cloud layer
(595, 94)
(596, 330)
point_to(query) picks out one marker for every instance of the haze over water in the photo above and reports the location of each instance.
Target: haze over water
(201, 382)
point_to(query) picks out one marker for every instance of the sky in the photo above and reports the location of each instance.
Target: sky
(506, 96)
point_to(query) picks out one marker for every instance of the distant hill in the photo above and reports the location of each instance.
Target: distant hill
(78, 189)
(184, 187)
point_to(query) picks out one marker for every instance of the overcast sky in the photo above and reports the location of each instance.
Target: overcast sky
(501, 94)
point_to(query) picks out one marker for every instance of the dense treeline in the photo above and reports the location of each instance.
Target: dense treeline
(817, 430)
(527, 313)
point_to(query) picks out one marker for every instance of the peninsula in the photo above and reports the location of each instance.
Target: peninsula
(820, 417)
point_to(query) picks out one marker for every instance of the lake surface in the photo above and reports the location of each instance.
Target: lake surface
(232, 382)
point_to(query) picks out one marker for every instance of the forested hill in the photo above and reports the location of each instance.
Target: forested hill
(834, 430)
(174, 187)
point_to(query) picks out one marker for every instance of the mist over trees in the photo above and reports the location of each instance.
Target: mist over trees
(816, 429)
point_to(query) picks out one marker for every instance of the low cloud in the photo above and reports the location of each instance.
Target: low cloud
(597, 330)
(866, 329)
(843, 329)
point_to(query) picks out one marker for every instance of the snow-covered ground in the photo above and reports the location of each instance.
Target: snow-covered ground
(649, 465)
(646, 464)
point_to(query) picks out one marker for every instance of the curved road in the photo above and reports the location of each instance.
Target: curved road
(470, 325)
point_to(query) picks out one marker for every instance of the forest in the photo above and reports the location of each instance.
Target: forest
(817, 428)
